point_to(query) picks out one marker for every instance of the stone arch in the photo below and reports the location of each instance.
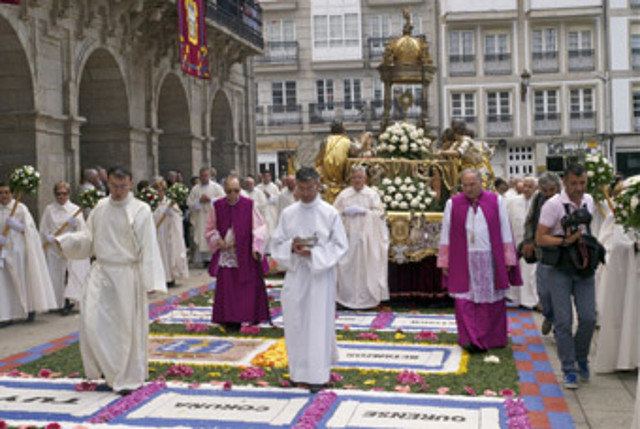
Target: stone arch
(17, 105)
(223, 147)
(175, 140)
(104, 104)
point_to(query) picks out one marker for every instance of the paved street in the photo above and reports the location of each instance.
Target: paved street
(606, 402)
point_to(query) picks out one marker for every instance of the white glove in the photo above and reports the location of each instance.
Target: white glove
(50, 238)
(168, 211)
(273, 199)
(73, 222)
(196, 206)
(3, 240)
(351, 211)
(15, 224)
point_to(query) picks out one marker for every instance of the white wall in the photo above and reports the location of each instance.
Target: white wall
(562, 4)
(621, 105)
(452, 6)
(619, 27)
(618, 4)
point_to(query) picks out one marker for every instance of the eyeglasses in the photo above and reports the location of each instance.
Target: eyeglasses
(59, 194)
(232, 191)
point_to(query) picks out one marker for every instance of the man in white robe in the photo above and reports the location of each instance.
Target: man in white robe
(25, 286)
(199, 201)
(362, 273)
(114, 323)
(259, 198)
(518, 208)
(287, 195)
(169, 229)
(67, 275)
(271, 191)
(309, 241)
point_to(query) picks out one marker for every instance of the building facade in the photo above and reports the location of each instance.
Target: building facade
(543, 81)
(97, 82)
(320, 64)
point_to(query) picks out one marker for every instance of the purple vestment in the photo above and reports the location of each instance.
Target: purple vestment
(481, 324)
(240, 294)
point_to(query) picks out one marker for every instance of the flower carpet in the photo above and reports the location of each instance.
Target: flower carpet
(388, 376)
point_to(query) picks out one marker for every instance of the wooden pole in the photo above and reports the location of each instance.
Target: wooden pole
(164, 215)
(64, 226)
(612, 207)
(16, 201)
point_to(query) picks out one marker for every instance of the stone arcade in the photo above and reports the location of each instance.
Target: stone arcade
(97, 82)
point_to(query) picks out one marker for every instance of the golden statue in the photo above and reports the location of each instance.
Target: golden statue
(471, 153)
(331, 162)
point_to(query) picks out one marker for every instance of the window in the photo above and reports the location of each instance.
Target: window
(324, 93)
(545, 103)
(336, 30)
(283, 93)
(498, 105)
(544, 41)
(379, 26)
(635, 46)
(461, 45)
(636, 108)
(581, 101)
(580, 40)
(496, 47)
(352, 93)
(281, 30)
(520, 161)
(378, 89)
(320, 31)
(463, 106)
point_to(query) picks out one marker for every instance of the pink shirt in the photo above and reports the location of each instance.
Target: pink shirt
(553, 210)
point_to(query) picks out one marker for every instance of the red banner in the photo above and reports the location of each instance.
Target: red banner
(194, 55)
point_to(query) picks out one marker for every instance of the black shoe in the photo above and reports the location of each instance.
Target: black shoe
(68, 306)
(31, 316)
(546, 327)
(6, 323)
(472, 348)
(232, 326)
(124, 392)
(315, 388)
(171, 284)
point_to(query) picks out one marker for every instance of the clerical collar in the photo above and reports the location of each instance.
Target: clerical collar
(8, 205)
(312, 203)
(124, 202)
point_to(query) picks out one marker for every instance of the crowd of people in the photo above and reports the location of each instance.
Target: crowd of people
(511, 245)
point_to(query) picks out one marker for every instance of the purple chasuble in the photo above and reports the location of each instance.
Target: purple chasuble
(458, 280)
(240, 294)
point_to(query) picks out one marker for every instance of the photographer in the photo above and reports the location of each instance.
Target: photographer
(570, 255)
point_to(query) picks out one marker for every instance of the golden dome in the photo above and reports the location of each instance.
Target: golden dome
(407, 50)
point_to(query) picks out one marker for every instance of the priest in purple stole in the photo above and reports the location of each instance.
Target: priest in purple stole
(478, 260)
(237, 236)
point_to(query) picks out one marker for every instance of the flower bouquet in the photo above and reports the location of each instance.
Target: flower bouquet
(600, 176)
(403, 140)
(149, 196)
(627, 211)
(86, 200)
(178, 194)
(405, 193)
(23, 181)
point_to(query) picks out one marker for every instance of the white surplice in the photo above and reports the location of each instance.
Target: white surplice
(308, 295)
(260, 201)
(527, 294)
(362, 273)
(67, 275)
(114, 322)
(199, 213)
(25, 284)
(618, 299)
(170, 235)
(285, 199)
(271, 212)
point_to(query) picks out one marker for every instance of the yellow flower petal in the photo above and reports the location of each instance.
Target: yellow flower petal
(369, 382)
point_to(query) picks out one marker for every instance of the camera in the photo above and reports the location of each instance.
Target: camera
(573, 220)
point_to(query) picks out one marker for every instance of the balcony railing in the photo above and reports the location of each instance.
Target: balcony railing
(376, 47)
(545, 62)
(582, 122)
(279, 52)
(377, 109)
(499, 125)
(546, 123)
(581, 60)
(497, 64)
(635, 58)
(242, 17)
(470, 121)
(347, 111)
(462, 65)
(283, 114)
